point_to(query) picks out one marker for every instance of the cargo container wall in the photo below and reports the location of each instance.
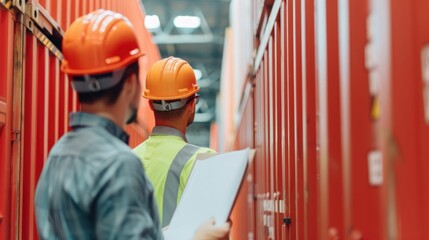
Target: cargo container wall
(243, 211)
(400, 56)
(281, 135)
(6, 128)
(326, 127)
(36, 98)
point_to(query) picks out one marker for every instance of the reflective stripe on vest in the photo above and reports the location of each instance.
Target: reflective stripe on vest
(172, 183)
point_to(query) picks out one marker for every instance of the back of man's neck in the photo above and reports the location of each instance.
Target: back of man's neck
(172, 125)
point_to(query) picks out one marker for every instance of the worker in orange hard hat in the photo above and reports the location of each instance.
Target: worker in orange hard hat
(92, 186)
(166, 155)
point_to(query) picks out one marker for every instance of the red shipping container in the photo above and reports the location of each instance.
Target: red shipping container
(36, 98)
(6, 73)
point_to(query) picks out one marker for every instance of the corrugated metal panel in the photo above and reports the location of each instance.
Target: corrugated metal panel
(266, 161)
(406, 99)
(278, 186)
(285, 122)
(6, 63)
(378, 33)
(309, 119)
(282, 120)
(299, 172)
(36, 98)
(243, 211)
(257, 176)
(363, 208)
(334, 189)
(338, 131)
(290, 194)
(268, 154)
(16, 116)
(322, 122)
(299, 165)
(259, 163)
(422, 105)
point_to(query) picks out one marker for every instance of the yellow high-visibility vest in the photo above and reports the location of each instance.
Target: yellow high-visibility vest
(168, 160)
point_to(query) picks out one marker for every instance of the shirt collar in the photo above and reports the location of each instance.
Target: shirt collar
(163, 130)
(81, 119)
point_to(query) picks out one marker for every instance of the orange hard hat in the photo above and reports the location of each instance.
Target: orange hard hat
(100, 42)
(170, 79)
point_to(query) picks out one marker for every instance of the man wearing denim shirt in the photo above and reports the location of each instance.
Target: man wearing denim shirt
(92, 186)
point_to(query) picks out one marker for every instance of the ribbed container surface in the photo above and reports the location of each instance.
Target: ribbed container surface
(36, 98)
(336, 104)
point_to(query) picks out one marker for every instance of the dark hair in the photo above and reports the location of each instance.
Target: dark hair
(109, 95)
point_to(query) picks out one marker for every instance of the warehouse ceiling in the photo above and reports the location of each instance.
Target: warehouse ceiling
(193, 30)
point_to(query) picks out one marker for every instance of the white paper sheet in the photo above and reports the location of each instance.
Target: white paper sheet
(210, 192)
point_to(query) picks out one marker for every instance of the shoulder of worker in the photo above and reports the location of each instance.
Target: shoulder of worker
(200, 149)
(205, 150)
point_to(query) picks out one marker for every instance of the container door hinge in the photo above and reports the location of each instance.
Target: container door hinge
(16, 135)
(1, 218)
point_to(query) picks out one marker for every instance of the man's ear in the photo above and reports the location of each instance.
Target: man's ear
(191, 107)
(130, 83)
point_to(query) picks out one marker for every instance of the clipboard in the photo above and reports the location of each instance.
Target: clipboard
(211, 191)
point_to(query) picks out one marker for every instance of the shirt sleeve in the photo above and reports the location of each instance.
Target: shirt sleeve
(125, 207)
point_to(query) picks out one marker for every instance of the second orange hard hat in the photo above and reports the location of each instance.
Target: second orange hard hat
(169, 79)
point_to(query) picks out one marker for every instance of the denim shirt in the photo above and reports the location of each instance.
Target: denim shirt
(93, 187)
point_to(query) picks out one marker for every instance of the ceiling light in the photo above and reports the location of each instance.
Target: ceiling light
(187, 21)
(198, 74)
(152, 22)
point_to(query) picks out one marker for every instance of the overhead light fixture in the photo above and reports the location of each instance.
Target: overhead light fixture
(152, 22)
(198, 74)
(187, 22)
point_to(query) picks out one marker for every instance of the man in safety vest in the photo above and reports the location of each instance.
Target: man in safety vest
(168, 159)
(93, 186)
